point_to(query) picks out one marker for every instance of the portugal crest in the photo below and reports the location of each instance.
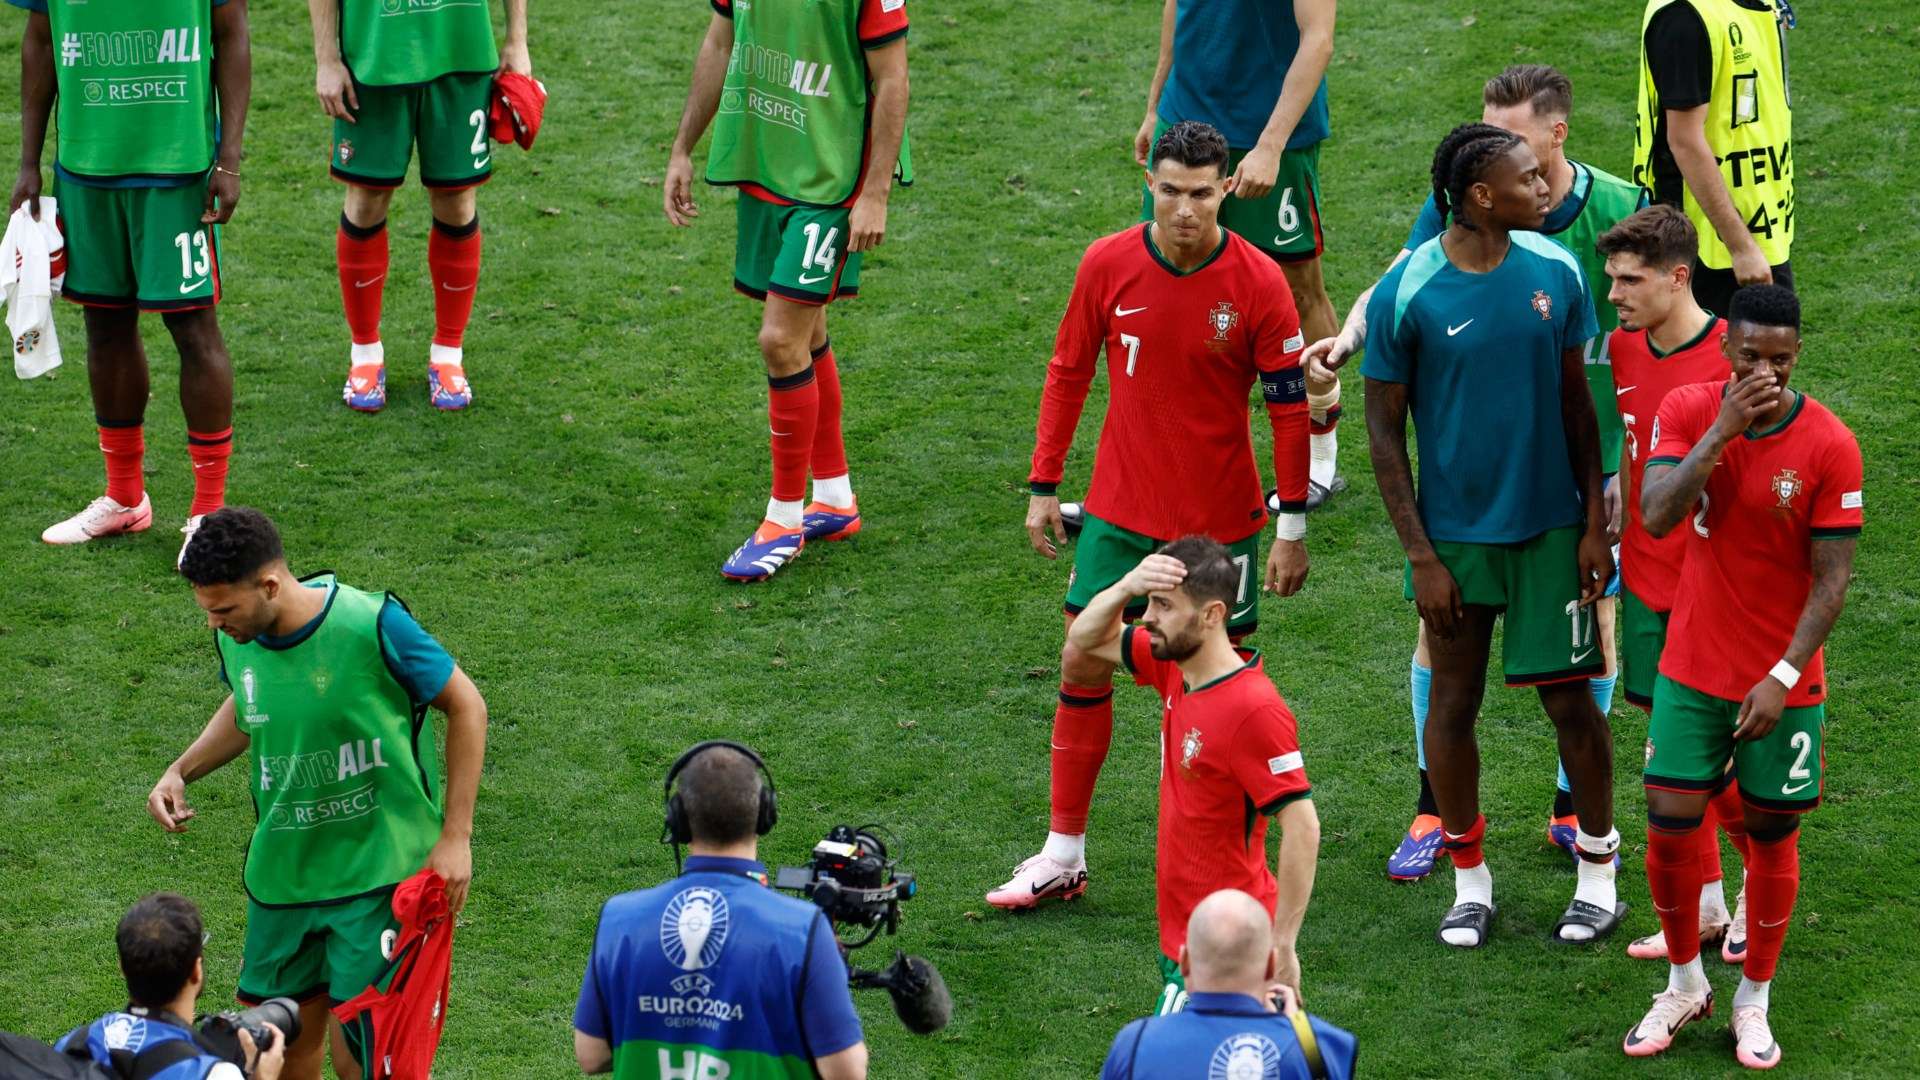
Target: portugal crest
(1543, 303)
(346, 151)
(1223, 319)
(1786, 485)
(1189, 748)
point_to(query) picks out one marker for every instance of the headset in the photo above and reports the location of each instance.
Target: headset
(678, 831)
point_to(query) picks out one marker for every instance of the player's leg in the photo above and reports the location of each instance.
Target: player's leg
(833, 514)
(1173, 989)
(283, 956)
(1420, 847)
(370, 157)
(1563, 823)
(359, 934)
(206, 400)
(455, 158)
(1729, 812)
(1459, 668)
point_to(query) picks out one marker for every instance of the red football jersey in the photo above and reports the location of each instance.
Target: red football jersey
(1183, 351)
(1749, 563)
(407, 1006)
(1229, 757)
(1642, 379)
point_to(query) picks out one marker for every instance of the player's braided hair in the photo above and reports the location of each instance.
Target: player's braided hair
(1765, 305)
(1460, 160)
(230, 544)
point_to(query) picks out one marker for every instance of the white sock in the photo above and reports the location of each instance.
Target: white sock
(374, 353)
(1752, 993)
(1688, 978)
(1066, 850)
(443, 354)
(833, 490)
(1593, 880)
(1713, 903)
(1473, 886)
(1322, 452)
(784, 514)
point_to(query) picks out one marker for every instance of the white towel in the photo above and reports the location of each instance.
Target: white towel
(32, 270)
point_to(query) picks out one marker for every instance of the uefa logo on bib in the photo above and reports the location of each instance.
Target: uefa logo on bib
(693, 929)
(1247, 1056)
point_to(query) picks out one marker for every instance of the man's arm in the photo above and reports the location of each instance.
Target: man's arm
(233, 84)
(1324, 358)
(848, 1064)
(594, 1055)
(220, 742)
(1669, 491)
(1832, 572)
(513, 51)
(1143, 139)
(1435, 593)
(887, 67)
(1687, 138)
(1076, 347)
(1582, 425)
(1258, 170)
(36, 105)
(703, 99)
(1096, 630)
(1285, 390)
(466, 712)
(1299, 857)
(332, 82)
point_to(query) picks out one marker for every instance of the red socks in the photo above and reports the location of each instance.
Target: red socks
(1673, 876)
(1773, 880)
(124, 447)
(793, 413)
(1082, 732)
(829, 449)
(453, 257)
(1728, 810)
(209, 451)
(362, 254)
(1464, 849)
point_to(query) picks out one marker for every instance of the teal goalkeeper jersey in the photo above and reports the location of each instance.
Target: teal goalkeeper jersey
(1480, 355)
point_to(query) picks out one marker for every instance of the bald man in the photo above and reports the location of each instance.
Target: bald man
(1229, 1026)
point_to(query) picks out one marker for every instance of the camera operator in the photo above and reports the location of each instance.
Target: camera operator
(160, 943)
(714, 972)
(1241, 1019)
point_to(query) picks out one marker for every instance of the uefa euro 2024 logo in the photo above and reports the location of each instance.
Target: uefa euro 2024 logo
(693, 929)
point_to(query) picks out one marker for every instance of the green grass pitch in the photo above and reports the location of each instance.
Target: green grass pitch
(563, 540)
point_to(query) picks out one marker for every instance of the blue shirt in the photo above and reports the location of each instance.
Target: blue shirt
(134, 1032)
(715, 965)
(1224, 1035)
(418, 661)
(1480, 355)
(1230, 59)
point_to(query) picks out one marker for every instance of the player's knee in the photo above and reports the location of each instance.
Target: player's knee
(1674, 811)
(1770, 828)
(1082, 668)
(454, 207)
(1305, 279)
(367, 207)
(196, 334)
(784, 350)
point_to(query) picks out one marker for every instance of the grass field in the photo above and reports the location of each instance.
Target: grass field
(563, 539)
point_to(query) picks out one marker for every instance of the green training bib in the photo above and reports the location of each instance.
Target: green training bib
(405, 42)
(134, 83)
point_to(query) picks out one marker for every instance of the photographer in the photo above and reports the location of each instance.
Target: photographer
(714, 972)
(160, 943)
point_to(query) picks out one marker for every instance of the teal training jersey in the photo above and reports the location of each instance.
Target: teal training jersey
(1480, 355)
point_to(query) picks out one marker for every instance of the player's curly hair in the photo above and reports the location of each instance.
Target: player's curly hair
(1193, 144)
(231, 544)
(1765, 305)
(1462, 159)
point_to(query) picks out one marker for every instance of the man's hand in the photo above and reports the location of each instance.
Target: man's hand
(264, 1064)
(1615, 508)
(1750, 266)
(867, 224)
(1286, 567)
(1256, 174)
(1143, 139)
(681, 209)
(1282, 999)
(452, 859)
(1043, 514)
(1596, 565)
(1437, 596)
(1324, 358)
(26, 189)
(333, 85)
(1156, 573)
(1287, 977)
(167, 802)
(223, 195)
(1760, 712)
(1745, 401)
(514, 58)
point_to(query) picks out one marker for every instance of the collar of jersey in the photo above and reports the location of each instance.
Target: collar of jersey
(1230, 1004)
(1712, 321)
(1251, 656)
(1146, 235)
(720, 864)
(1562, 217)
(1799, 400)
(288, 641)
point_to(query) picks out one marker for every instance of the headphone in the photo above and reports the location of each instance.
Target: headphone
(678, 830)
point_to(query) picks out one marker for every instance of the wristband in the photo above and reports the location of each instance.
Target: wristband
(1786, 674)
(1037, 487)
(1290, 526)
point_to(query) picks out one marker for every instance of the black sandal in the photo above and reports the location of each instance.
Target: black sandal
(1469, 916)
(1581, 913)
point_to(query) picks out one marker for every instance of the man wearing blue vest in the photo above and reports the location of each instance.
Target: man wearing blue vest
(713, 973)
(1228, 1026)
(160, 942)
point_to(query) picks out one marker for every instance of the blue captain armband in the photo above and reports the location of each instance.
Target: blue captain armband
(1288, 386)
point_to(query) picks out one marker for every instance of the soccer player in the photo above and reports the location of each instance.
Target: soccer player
(1665, 341)
(144, 184)
(1533, 101)
(1257, 71)
(1714, 135)
(812, 104)
(1190, 315)
(1764, 483)
(392, 77)
(1229, 749)
(1481, 329)
(330, 687)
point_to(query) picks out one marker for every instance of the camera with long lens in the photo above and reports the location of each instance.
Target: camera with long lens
(859, 887)
(219, 1034)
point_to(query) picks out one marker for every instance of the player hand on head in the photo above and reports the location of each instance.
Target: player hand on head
(1745, 401)
(1043, 514)
(1256, 174)
(678, 196)
(167, 802)
(1437, 596)
(1156, 573)
(1286, 567)
(26, 189)
(1761, 709)
(452, 859)
(1596, 564)
(333, 85)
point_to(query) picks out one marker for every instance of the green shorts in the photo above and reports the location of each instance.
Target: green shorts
(795, 252)
(1285, 223)
(1173, 989)
(1535, 583)
(139, 247)
(1105, 552)
(1690, 740)
(1643, 635)
(447, 118)
(303, 952)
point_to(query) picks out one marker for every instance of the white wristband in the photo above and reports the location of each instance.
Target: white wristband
(1787, 675)
(1290, 526)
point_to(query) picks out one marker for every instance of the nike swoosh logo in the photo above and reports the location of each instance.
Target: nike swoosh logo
(369, 281)
(1122, 312)
(1771, 925)
(1452, 330)
(201, 464)
(455, 288)
(780, 434)
(805, 280)
(1239, 613)
(1045, 885)
(190, 286)
(481, 163)
(1287, 239)
(1784, 790)
(1622, 390)
(1580, 656)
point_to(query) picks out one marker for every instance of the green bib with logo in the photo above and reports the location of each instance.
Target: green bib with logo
(405, 42)
(345, 774)
(134, 83)
(793, 109)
